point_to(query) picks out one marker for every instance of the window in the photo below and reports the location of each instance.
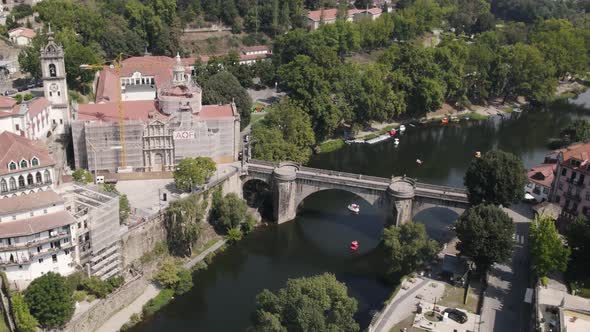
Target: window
(3, 186)
(61, 121)
(560, 185)
(47, 176)
(54, 258)
(24, 164)
(21, 181)
(67, 251)
(39, 248)
(40, 260)
(30, 179)
(38, 177)
(12, 166)
(44, 211)
(12, 184)
(35, 162)
(52, 71)
(563, 171)
(13, 217)
(17, 127)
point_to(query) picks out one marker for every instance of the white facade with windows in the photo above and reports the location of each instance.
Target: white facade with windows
(24, 177)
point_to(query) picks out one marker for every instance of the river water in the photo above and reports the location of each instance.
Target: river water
(223, 297)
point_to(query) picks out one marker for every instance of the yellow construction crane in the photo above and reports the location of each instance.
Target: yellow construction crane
(117, 63)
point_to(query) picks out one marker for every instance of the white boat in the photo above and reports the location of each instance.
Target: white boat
(402, 128)
(379, 139)
(516, 110)
(396, 141)
(354, 208)
(354, 141)
(418, 161)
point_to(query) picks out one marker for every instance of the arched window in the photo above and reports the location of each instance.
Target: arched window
(30, 180)
(12, 184)
(24, 164)
(21, 181)
(38, 177)
(3, 186)
(47, 176)
(52, 71)
(35, 162)
(12, 166)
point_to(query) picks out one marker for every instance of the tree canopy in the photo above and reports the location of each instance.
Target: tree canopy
(497, 177)
(192, 172)
(578, 240)
(83, 176)
(227, 212)
(182, 221)
(578, 131)
(547, 248)
(485, 234)
(318, 303)
(223, 88)
(408, 248)
(50, 300)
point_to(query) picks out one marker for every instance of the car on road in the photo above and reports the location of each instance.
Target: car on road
(10, 92)
(456, 315)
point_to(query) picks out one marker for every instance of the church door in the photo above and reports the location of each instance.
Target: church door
(158, 162)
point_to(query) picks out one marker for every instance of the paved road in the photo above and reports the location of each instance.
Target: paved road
(387, 316)
(504, 309)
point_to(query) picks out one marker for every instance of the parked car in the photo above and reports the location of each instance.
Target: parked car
(456, 315)
(10, 92)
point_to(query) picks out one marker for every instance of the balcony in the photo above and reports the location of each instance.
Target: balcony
(36, 242)
(26, 187)
(34, 256)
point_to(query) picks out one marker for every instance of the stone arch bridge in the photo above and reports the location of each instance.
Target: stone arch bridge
(402, 197)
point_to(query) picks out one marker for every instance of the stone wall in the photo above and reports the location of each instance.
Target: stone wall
(142, 238)
(102, 310)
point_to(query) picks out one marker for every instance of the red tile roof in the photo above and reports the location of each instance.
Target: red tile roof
(29, 202)
(22, 32)
(14, 148)
(7, 102)
(141, 110)
(578, 151)
(37, 105)
(542, 174)
(35, 224)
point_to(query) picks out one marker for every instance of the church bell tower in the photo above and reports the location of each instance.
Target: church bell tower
(55, 87)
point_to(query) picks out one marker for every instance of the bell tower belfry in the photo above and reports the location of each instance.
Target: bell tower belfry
(55, 87)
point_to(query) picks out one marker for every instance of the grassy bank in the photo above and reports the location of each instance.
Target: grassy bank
(331, 145)
(378, 133)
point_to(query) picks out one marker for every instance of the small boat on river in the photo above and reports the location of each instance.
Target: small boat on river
(396, 141)
(444, 120)
(354, 245)
(402, 128)
(418, 161)
(354, 208)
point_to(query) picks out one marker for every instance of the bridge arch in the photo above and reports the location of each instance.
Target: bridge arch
(258, 195)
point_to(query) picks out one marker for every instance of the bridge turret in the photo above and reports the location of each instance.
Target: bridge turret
(401, 192)
(284, 192)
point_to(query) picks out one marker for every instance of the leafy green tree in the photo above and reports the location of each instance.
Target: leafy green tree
(167, 275)
(96, 286)
(185, 282)
(24, 321)
(50, 300)
(192, 172)
(227, 212)
(285, 133)
(318, 303)
(578, 240)
(578, 131)
(224, 87)
(547, 248)
(497, 177)
(408, 248)
(485, 234)
(234, 235)
(83, 176)
(182, 219)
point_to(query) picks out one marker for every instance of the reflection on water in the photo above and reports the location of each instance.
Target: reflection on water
(437, 221)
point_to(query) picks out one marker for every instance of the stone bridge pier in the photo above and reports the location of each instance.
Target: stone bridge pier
(284, 190)
(401, 194)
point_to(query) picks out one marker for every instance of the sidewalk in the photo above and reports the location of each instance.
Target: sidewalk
(124, 315)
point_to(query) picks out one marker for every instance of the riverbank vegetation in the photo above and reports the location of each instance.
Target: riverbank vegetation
(318, 303)
(50, 300)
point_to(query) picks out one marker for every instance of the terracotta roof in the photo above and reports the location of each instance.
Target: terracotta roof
(108, 112)
(216, 111)
(22, 32)
(577, 151)
(37, 105)
(36, 224)
(542, 174)
(107, 86)
(255, 48)
(7, 102)
(29, 202)
(14, 148)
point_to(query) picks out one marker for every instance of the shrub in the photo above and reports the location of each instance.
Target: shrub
(133, 320)
(234, 235)
(95, 286)
(80, 295)
(185, 283)
(23, 319)
(50, 300)
(115, 282)
(250, 223)
(544, 281)
(74, 280)
(167, 275)
(90, 298)
(158, 302)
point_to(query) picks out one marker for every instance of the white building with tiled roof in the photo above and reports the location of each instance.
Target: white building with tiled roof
(22, 36)
(25, 166)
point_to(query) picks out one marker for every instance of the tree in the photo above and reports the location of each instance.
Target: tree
(578, 240)
(224, 87)
(182, 219)
(24, 321)
(83, 176)
(547, 248)
(234, 235)
(192, 172)
(497, 177)
(227, 212)
(318, 303)
(408, 248)
(578, 131)
(185, 282)
(285, 133)
(485, 234)
(50, 300)
(167, 275)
